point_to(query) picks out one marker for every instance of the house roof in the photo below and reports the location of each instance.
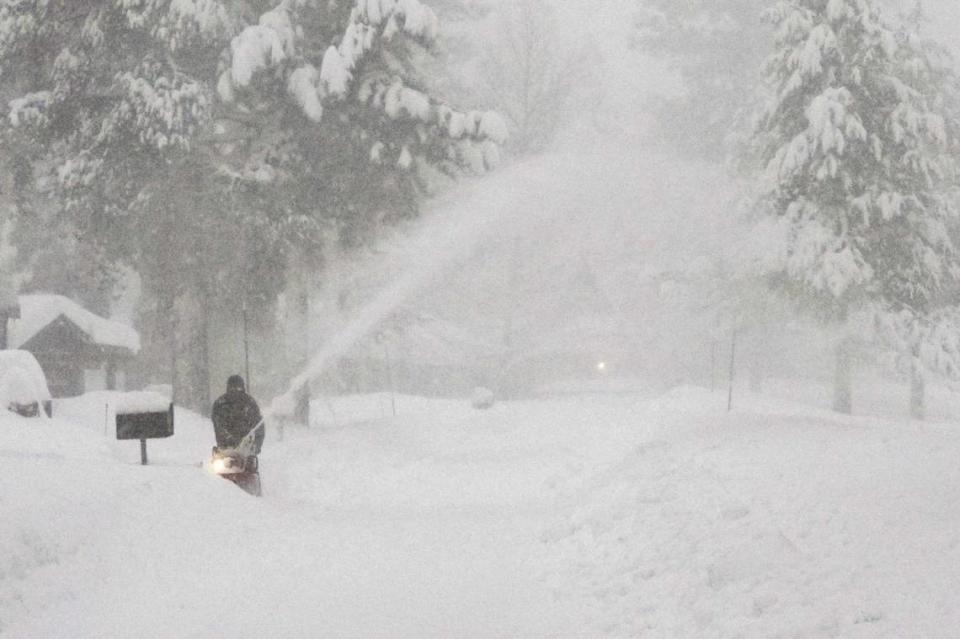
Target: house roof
(39, 311)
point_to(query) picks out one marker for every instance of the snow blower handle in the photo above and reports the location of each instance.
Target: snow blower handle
(245, 447)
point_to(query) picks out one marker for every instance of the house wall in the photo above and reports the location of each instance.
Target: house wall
(70, 363)
(95, 379)
(64, 375)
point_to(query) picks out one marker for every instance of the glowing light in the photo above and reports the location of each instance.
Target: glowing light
(601, 366)
(219, 466)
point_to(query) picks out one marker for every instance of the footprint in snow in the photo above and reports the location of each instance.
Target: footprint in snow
(764, 603)
(734, 512)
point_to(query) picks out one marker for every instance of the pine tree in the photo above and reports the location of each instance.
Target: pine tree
(856, 147)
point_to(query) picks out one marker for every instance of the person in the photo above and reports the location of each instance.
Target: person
(234, 415)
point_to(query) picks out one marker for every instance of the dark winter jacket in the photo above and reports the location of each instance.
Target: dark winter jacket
(234, 415)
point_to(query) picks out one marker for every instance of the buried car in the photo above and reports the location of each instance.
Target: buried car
(23, 386)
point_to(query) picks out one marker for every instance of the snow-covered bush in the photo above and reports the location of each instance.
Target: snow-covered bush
(483, 398)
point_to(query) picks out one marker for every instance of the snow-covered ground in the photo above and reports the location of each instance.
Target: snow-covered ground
(615, 515)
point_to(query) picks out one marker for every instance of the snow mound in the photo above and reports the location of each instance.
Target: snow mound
(483, 398)
(771, 521)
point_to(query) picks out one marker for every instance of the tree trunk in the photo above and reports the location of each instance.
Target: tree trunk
(917, 392)
(759, 340)
(733, 369)
(172, 326)
(756, 374)
(504, 386)
(203, 364)
(843, 379)
(303, 393)
(714, 347)
(302, 410)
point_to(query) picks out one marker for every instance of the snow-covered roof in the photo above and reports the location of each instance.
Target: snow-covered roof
(21, 379)
(40, 310)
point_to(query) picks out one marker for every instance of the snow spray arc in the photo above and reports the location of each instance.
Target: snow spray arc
(455, 225)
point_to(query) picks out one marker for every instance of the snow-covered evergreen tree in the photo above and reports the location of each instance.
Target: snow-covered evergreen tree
(856, 144)
(353, 68)
(927, 342)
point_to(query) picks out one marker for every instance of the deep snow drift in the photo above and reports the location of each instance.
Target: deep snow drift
(597, 515)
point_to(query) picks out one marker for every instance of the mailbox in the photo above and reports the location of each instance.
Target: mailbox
(143, 415)
(145, 425)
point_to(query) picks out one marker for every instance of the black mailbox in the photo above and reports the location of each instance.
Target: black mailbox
(145, 425)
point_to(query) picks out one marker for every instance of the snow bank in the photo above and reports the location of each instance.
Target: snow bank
(53, 508)
(98, 410)
(96, 414)
(483, 398)
(76, 519)
(772, 521)
(39, 311)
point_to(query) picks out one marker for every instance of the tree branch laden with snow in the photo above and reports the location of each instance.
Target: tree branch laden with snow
(273, 46)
